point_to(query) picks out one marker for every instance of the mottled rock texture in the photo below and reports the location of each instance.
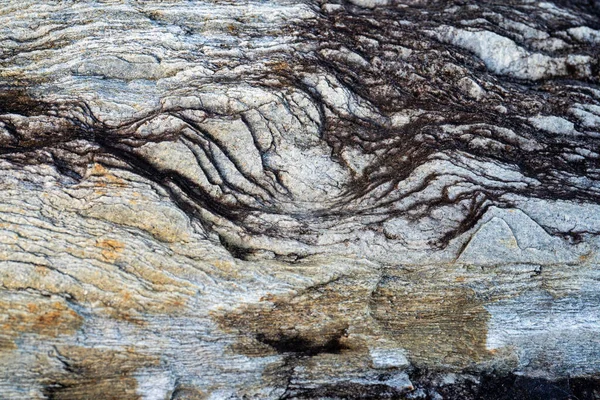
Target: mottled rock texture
(286, 199)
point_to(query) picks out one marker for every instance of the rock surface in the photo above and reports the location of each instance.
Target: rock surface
(299, 199)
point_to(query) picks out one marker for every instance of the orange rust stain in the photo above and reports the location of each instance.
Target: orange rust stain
(111, 249)
(127, 317)
(175, 303)
(49, 319)
(39, 317)
(460, 279)
(53, 322)
(280, 66)
(268, 297)
(41, 270)
(100, 171)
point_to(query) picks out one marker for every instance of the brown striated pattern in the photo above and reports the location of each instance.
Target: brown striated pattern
(435, 324)
(96, 374)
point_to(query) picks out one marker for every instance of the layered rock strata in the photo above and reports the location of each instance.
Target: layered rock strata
(299, 199)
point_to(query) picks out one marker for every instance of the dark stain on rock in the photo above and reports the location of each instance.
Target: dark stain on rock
(17, 100)
(304, 346)
(521, 387)
(91, 374)
(492, 386)
(307, 323)
(184, 392)
(487, 386)
(347, 390)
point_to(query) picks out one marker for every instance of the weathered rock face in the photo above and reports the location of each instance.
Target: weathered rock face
(299, 199)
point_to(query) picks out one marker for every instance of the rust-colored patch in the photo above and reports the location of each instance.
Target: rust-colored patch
(97, 374)
(280, 66)
(104, 179)
(41, 270)
(101, 171)
(585, 257)
(35, 315)
(128, 317)
(166, 294)
(111, 248)
(59, 319)
(175, 303)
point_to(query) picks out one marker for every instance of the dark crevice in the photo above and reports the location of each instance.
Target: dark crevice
(302, 346)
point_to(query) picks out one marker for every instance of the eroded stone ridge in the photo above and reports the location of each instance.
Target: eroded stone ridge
(299, 199)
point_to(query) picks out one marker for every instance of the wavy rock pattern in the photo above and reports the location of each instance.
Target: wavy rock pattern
(299, 199)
